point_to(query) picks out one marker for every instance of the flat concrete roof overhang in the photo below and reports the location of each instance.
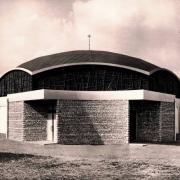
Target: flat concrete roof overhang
(45, 94)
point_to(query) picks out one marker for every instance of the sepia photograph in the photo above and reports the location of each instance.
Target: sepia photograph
(89, 90)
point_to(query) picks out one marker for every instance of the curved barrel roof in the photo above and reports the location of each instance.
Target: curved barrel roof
(70, 58)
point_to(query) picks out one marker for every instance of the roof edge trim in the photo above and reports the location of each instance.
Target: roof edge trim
(21, 69)
(85, 63)
(164, 69)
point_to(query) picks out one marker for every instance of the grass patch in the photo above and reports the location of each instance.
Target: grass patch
(24, 166)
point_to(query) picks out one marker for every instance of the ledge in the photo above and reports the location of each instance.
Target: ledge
(45, 94)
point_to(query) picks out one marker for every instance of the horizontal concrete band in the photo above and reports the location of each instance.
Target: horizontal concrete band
(45, 94)
(83, 63)
(75, 64)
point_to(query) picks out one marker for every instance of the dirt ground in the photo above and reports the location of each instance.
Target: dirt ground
(135, 161)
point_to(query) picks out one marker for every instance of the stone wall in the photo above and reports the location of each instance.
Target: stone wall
(28, 121)
(92, 122)
(35, 121)
(155, 121)
(16, 125)
(167, 123)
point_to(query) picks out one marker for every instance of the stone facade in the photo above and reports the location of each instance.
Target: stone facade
(167, 123)
(16, 125)
(155, 121)
(35, 121)
(28, 121)
(92, 122)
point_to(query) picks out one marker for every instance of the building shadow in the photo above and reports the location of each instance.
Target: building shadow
(77, 124)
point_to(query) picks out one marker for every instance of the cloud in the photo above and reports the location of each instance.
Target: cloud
(29, 30)
(145, 29)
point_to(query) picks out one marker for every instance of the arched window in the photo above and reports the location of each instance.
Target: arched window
(164, 81)
(15, 81)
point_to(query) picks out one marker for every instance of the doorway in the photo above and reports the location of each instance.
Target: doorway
(132, 126)
(52, 125)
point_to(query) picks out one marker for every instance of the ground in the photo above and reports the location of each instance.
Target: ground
(135, 161)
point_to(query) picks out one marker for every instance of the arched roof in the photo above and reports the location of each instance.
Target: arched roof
(167, 71)
(81, 57)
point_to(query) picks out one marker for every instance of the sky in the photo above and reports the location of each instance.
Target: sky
(147, 29)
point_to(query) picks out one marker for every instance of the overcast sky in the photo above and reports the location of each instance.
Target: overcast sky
(148, 29)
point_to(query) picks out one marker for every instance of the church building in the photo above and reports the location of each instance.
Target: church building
(90, 97)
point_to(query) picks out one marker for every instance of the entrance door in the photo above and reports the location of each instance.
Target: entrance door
(132, 126)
